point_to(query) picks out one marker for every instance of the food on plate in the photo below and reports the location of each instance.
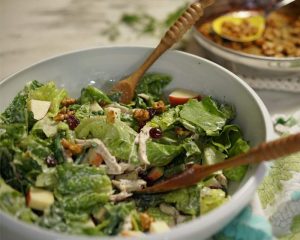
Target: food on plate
(281, 37)
(74, 165)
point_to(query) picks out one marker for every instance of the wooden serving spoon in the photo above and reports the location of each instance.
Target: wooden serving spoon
(127, 86)
(263, 152)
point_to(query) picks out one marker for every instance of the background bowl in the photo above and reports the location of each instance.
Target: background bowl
(246, 65)
(99, 65)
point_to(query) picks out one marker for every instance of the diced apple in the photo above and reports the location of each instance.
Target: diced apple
(39, 108)
(159, 227)
(155, 173)
(94, 158)
(181, 96)
(39, 199)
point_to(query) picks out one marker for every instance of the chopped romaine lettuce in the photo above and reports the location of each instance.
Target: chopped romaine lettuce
(212, 155)
(211, 198)
(162, 154)
(153, 84)
(81, 188)
(157, 214)
(17, 112)
(13, 202)
(185, 200)
(205, 115)
(117, 137)
(92, 94)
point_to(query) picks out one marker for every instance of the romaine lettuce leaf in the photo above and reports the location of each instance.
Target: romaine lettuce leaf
(60, 220)
(227, 138)
(117, 137)
(161, 154)
(13, 202)
(17, 112)
(211, 155)
(231, 141)
(164, 120)
(115, 216)
(153, 84)
(157, 214)
(204, 115)
(211, 198)
(49, 92)
(92, 94)
(81, 188)
(185, 200)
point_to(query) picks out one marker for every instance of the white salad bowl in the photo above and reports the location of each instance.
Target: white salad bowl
(100, 65)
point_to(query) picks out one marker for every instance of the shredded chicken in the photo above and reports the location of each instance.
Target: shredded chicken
(110, 160)
(129, 185)
(119, 196)
(141, 139)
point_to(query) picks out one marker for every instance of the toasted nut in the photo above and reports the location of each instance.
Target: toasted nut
(72, 147)
(159, 106)
(111, 117)
(141, 115)
(59, 117)
(68, 101)
(146, 221)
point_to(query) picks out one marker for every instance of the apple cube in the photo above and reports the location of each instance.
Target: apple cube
(39, 199)
(181, 96)
(39, 108)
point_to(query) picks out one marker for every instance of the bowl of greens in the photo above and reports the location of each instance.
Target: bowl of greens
(72, 157)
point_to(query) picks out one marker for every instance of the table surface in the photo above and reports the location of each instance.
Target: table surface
(33, 30)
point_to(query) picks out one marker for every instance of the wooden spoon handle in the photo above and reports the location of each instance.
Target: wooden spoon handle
(263, 152)
(175, 32)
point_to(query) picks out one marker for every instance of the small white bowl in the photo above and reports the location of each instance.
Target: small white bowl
(98, 65)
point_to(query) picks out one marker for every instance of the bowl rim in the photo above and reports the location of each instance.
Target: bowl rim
(179, 231)
(239, 53)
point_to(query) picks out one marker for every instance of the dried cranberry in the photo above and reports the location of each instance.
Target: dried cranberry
(72, 121)
(141, 125)
(155, 133)
(152, 112)
(51, 161)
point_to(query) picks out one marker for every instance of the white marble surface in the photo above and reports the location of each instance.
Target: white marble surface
(32, 30)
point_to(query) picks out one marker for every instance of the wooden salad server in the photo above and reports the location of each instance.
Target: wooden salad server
(264, 152)
(190, 16)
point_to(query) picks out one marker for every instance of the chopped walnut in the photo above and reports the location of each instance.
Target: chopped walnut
(68, 101)
(159, 106)
(146, 221)
(111, 117)
(63, 114)
(141, 115)
(70, 147)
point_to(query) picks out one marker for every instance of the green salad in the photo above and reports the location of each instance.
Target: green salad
(74, 165)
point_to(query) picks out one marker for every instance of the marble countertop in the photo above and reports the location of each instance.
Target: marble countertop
(33, 30)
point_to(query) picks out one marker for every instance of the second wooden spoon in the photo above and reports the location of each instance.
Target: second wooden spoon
(126, 87)
(263, 152)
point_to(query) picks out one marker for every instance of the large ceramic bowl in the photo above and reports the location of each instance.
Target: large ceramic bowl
(97, 66)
